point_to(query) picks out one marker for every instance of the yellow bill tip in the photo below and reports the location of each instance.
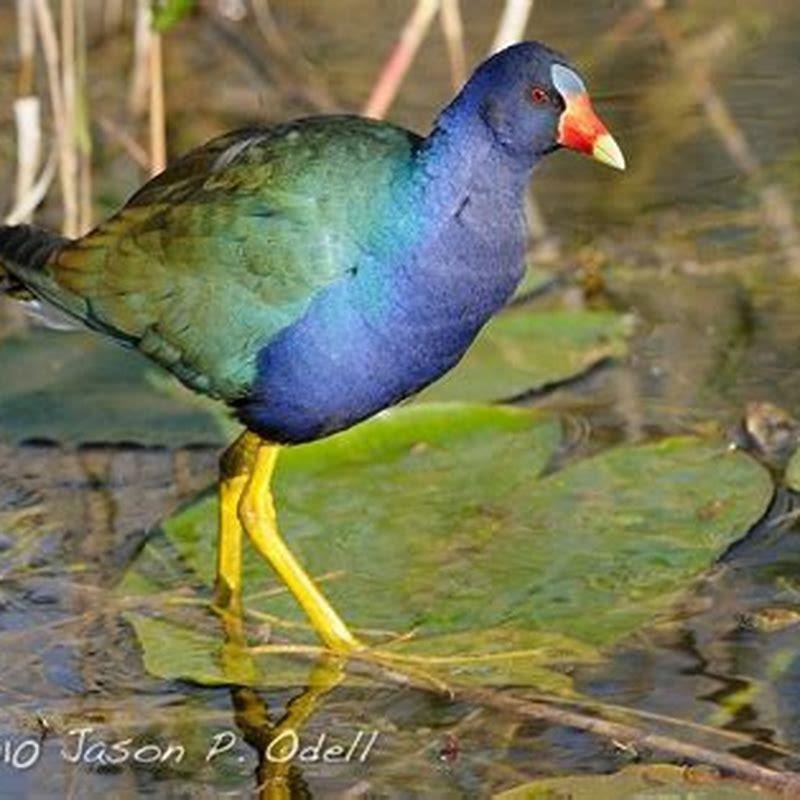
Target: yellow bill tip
(607, 151)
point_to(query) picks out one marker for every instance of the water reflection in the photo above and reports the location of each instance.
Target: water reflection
(279, 744)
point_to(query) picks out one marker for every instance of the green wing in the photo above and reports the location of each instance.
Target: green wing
(208, 261)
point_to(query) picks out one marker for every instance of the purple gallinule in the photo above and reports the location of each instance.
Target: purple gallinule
(312, 274)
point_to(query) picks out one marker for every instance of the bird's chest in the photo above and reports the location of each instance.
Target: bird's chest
(447, 289)
(396, 326)
(417, 318)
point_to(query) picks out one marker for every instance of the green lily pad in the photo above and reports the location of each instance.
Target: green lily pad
(438, 520)
(522, 350)
(76, 388)
(655, 781)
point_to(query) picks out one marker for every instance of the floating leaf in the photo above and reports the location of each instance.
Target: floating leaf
(522, 349)
(437, 520)
(78, 388)
(655, 781)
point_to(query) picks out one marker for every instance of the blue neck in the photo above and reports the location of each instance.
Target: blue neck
(455, 250)
(462, 159)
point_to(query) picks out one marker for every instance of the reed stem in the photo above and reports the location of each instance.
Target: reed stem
(402, 56)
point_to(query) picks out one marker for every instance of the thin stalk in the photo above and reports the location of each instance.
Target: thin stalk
(788, 782)
(627, 26)
(69, 165)
(776, 208)
(402, 56)
(293, 70)
(513, 24)
(48, 38)
(26, 39)
(119, 135)
(453, 30)
(27, 113)
(113, 15)
(269, 27)
(24, 207)
(83, 123)
(158, 119)
(140, 80)
(147, 85)
(394, 669)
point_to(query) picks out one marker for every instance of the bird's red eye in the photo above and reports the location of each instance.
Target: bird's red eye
(539, 95)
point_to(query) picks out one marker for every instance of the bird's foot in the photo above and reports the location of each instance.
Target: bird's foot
(376, 662)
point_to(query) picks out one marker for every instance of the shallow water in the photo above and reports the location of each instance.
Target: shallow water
(680, 243)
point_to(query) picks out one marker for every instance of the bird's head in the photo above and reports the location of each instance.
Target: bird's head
(533, 102)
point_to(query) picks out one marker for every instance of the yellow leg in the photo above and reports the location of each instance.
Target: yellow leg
(252, 461)
(233, 479)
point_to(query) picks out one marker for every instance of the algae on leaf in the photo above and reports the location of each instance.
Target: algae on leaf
(438, 520)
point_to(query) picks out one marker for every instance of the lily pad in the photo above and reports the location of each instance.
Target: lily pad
(438, 520)
(76, 388)
(655, 781)
(522, 350)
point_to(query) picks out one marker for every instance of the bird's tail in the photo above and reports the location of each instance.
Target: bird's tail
(24, 250)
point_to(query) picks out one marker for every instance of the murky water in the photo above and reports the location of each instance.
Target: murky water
(682, 244)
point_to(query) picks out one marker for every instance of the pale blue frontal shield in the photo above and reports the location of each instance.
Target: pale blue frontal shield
(567, 81)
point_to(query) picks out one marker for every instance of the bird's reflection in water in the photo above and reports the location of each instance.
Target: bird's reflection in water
(277, 777)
